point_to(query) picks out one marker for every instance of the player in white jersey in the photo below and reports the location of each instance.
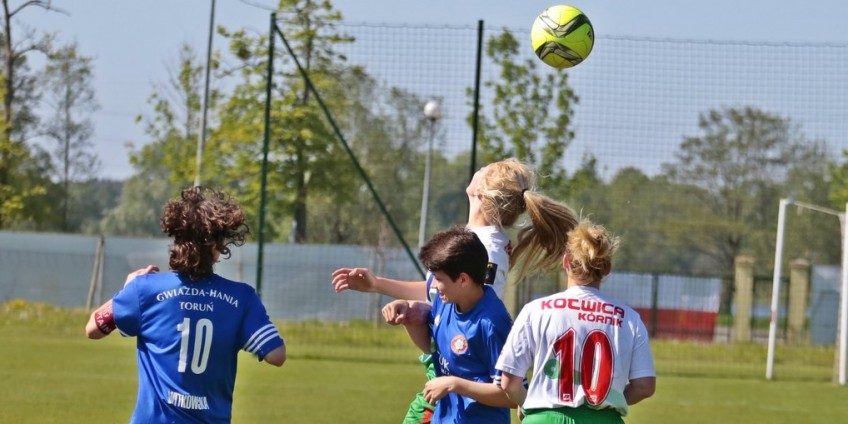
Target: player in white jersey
(589, 352)
(497, 194)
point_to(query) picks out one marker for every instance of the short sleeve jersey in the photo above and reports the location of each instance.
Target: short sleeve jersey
(188, 338)
(498, 247)
(583, 347)
(467, 346)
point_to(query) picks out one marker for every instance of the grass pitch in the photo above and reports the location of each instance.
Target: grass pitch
(52, 374)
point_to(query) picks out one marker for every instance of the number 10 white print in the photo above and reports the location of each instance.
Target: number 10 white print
(595, 362)
(202, 343)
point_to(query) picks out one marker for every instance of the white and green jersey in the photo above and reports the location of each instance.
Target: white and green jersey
(583, 345)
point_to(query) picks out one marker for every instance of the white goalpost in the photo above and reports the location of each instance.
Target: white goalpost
(842, 339)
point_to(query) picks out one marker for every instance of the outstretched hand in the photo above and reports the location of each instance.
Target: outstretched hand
(357, 279)
(150, 269)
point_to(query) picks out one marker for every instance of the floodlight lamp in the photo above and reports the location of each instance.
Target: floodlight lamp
(432, 110)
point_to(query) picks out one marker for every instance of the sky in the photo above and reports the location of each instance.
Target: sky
(133, 42)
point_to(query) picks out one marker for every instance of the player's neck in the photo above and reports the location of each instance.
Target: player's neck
(475, 214)
(470, 300)
(573, 282)
(476, 219)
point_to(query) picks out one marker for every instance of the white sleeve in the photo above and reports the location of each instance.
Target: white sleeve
(642, 362)
(520, 347)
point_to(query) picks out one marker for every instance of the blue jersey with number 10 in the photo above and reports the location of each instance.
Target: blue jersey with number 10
(188, 338)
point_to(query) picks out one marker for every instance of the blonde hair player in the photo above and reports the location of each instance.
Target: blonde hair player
(498, 195)
(589, 352)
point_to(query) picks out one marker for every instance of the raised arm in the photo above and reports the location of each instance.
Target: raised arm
(101, 322)
(362, 280)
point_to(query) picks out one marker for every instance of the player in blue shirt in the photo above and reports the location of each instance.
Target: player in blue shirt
(467, 325)
(498, 194)
(190, 323)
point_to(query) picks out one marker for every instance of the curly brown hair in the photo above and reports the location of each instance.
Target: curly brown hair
(202, 221)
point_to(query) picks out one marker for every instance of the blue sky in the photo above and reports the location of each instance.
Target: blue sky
(133, 41)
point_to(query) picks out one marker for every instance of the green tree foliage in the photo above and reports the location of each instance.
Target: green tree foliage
(23, 191)
(530, 114)
(166, 164)
(392, 142)
(838, 174)
(646, 212)
(70, 96)
(174, 125)
(582, 183)
(22, 170)
(139, 208)
(304, 154)
(744, 161)
(810, 234)
(91, 201)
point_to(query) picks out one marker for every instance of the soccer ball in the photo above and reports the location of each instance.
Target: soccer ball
(562, 36)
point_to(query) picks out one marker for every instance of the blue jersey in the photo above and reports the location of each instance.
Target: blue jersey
(188, 338)
(467, 345)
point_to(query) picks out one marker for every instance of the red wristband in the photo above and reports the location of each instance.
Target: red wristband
(105, 320)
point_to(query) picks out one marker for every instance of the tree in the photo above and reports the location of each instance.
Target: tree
(744, 161)
(139, 207)
(70, 95)
(174, 124)
(531, 113)
(92, 200)
(166, 164)
(304, 152)
(838, 173)
(809, 234)
(20, 178)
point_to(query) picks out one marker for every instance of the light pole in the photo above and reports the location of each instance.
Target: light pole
(432, 111)
(202, 137)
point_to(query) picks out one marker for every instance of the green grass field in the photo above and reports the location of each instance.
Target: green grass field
(52, 374)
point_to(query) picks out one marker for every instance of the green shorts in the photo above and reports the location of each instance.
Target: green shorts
(580, 415)
(420, 411)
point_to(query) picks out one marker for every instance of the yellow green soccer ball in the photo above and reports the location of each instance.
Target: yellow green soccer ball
(562, 36)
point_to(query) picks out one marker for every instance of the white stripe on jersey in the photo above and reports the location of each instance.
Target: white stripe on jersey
(251, 343)
(261, 342)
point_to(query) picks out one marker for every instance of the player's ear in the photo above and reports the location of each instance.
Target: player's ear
(565, 264)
